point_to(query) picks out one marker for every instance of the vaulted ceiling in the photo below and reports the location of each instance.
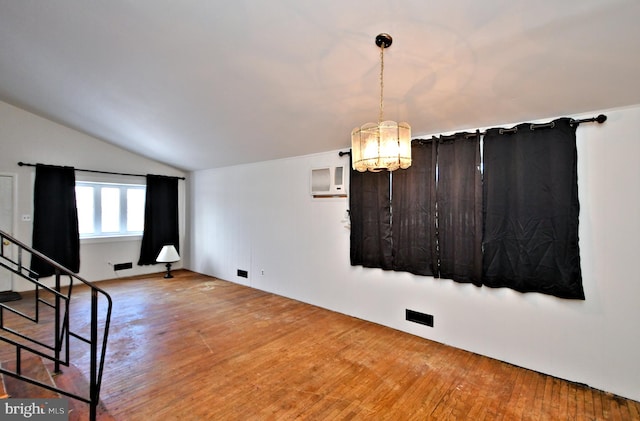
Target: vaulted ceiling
(201, 84)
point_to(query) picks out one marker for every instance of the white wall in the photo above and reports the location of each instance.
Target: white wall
(29, 138)
(261, 218)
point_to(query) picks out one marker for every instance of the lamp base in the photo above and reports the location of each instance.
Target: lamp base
(168, 274)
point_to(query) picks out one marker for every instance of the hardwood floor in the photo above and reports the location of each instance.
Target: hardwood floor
(198, 348)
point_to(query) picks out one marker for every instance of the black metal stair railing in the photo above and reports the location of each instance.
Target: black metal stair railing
(55, 346)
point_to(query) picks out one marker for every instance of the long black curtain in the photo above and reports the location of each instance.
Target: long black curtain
(55, 219)
(413, 212)
(160, 217)
(531, 210)
(459, 201)
(370, 212)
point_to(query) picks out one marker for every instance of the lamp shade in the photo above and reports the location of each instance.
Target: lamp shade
(168, 254)
(386, 145)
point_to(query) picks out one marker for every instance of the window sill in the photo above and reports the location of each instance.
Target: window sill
(114, 239)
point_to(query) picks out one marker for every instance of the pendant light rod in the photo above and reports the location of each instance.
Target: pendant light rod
(383, 41)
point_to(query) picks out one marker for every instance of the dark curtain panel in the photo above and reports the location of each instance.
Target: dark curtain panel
(531, 210)
(55, 219)
(370, 211)
(160, 217)
(413, 212)
(459, 198)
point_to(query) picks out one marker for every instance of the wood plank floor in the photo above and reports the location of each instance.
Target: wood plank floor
(198, 348)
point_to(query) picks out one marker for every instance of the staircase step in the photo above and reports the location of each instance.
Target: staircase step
(73, 381)
(3, 390)
(70, 380)
(34, 368)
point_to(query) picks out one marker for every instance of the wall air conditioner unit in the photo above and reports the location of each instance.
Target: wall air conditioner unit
(328, 182)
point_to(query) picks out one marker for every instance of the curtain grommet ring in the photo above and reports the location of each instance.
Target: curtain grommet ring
(505, 131)
(542, 126)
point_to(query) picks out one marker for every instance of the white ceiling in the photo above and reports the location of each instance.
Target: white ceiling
(201, 84)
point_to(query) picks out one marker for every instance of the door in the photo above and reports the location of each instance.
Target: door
(6, 225)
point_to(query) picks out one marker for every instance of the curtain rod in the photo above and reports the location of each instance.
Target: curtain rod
(24, 164)
(599, 119)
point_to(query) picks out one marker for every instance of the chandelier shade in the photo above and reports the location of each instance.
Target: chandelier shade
(385, 145)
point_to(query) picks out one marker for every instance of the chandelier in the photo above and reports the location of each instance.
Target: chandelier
(382, 146)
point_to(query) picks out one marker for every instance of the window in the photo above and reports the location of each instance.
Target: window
(110, 210)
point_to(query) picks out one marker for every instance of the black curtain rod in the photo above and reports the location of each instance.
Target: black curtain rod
(24, 164)
(599, 119)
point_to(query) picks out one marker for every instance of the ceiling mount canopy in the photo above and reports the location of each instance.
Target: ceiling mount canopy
(387, 144)
(384, 40)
